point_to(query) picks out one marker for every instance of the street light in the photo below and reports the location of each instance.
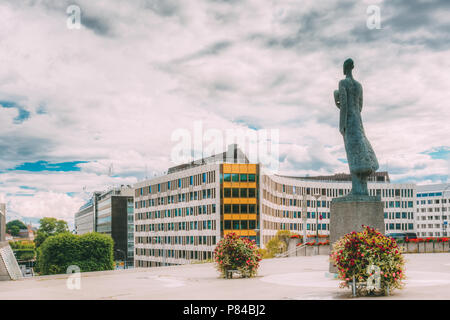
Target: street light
(317, 196)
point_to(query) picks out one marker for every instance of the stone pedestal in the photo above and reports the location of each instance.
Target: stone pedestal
(349, 213)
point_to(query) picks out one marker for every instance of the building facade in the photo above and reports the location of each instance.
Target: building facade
(180, 216)
(302, 205)
(112, 213)
(433, 210)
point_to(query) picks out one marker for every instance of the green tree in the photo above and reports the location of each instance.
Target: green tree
(49, 227)
(90, 252)
(14, 231)
(13, 227)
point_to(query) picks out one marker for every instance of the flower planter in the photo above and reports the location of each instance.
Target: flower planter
(324, 250)
(309, 250)
(412, 247)
(429, 247)
(293, 242)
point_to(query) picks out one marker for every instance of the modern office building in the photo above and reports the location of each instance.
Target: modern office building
(110, 212)
(433, 210)
(180, 216)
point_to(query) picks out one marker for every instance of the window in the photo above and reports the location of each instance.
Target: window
(235, 193)
(227, 224)
(227, 208)
(204, 177)
(251, 177)
(244, 224)
(251, 192)
(191, 180)
(235, 177)
(252, 224)
(227, 192)
(235, 208)
(251, 208)
(243, 192)
(243, 178)
(236, 224)
(244, 208)
(227, 177)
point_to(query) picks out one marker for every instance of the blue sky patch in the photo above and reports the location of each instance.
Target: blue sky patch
(46, 166)
(442, 152)
(22, 115)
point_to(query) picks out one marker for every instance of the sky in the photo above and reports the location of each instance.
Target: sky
(83, 109)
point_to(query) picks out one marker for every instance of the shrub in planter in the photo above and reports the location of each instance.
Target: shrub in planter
(368, 254)
(236, 253)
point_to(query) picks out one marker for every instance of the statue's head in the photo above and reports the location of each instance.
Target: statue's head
(348, 66)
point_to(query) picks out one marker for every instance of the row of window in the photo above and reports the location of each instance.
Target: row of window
(177, 212)
(429, 226)
(182, 197)
(238, 177)
(180, 240)
(239, 224)
(436, 201)
(431, 218)
(240, 208)
(400, 226)
(194, 180)
(239, 193)
(436, 209)
(177, 226)
(295, 226)
(399, 215)
(331, 192)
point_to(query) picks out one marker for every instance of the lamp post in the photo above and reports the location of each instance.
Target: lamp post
(317, 196)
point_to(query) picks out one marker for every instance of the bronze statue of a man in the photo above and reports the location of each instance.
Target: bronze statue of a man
(360, 155)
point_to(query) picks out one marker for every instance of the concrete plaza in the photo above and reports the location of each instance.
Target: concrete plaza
(298, 278)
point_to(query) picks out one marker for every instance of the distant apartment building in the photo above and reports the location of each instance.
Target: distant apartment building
(110, 212)
(433, 210)
(180, 216)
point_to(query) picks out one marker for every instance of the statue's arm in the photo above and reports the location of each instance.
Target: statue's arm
(343, 107)
(342, 94)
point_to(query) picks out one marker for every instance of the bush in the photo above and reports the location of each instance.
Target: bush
(236, 253)
(356, 251)
(90, 252)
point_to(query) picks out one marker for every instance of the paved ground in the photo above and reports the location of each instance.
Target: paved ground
(287, 278)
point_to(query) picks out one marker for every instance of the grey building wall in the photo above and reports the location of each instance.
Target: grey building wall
(2, 221)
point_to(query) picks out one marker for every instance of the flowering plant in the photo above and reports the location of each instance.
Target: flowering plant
(368, 254)
(236, 253)
(296, 236)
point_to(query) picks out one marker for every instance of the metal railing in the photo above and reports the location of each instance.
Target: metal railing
(288, 252)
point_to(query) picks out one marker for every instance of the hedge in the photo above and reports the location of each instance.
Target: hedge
(90, 252)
